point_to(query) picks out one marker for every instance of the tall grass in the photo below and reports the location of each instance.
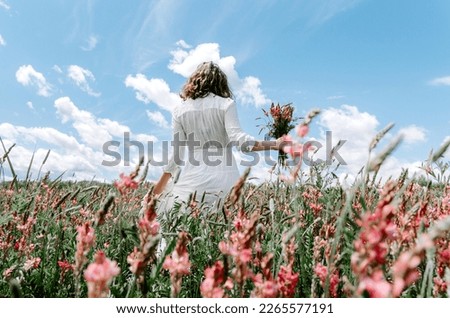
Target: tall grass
(311, 238)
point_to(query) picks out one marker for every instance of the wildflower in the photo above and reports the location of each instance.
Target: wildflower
(291, 147)
(302, 130)
(31, 263)
(85, 241)
(148, 238)
(178, 263)
(405, 271)
(375, 285)
(280, 123)
(214, 284)
(265, 285)
(321, 272)
(371, 247)
(126, 182)
(8, 272)
(264, 288)
(65, 267)
(287, 281)
(239, 247)
(100, 274)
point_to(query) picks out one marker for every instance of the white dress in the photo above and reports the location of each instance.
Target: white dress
(210, 128)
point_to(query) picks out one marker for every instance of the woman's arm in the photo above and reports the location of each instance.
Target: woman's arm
(267, 145)
(161, 184)
(176, 160)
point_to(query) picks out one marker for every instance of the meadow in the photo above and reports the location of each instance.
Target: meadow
(304, 235)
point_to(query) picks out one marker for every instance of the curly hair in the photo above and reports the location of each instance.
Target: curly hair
(207, 78)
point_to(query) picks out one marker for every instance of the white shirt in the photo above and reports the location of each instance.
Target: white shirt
(210, 128)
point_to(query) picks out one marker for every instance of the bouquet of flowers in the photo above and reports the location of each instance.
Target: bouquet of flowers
(280, 122)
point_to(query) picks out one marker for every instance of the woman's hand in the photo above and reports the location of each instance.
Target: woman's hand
(279, 143)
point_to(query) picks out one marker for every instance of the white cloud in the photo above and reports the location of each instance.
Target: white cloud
(88, 127)
(413, 134)
(2, 41)
(91, 43)
(66, 152)
(4, 5)
(30, 105)
(158, 118)
(80, 77)
(153, 90)
(185, 61)
(27, 75)
(251, 93)
(183, 44)
(358, 128)
(441, 81)
(93, 131)
(81, 155)
(57, 69)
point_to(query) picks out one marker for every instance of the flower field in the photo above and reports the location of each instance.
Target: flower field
(305, 237)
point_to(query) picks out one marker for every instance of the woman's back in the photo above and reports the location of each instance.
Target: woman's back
(203, 121)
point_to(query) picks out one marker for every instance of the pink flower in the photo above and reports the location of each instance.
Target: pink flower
(294, 149)
(264, 288)
(100, 274)
(178, 263)
(7, 272)
(321, 272)
(213, 285)
(302, 130)
(126, 182)
(287, 281)
(85, 241)
(31, 263)
(376, 285)
(148, 227)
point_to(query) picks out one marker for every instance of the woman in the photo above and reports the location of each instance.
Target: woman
(206, 126)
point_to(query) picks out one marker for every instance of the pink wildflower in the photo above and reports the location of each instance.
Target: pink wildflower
(321, 272)
(178, 263)
(148, 227)
(302, 130)
(125, 183)
(100, 274)
(31, 263)
(85, 241)
(214, 283)
(287, 281)
(375, 285)
(264, 288)
(8, 272)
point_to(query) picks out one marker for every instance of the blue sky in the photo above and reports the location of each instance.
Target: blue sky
(75, 74)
